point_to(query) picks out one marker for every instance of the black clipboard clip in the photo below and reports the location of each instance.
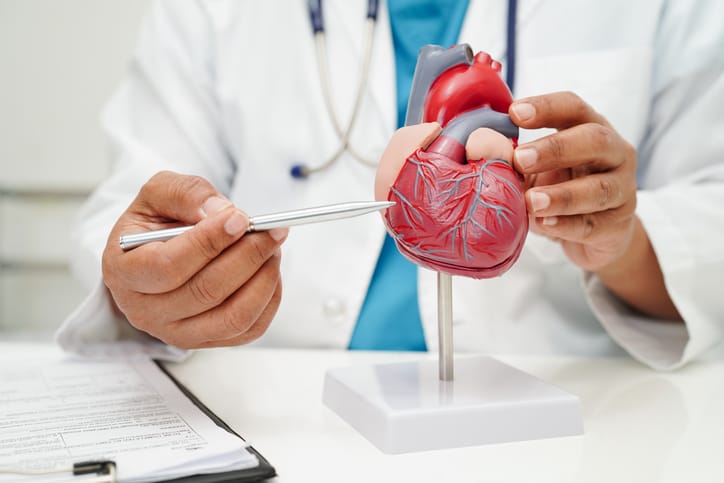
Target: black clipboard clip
(104, 471)
(101, 471)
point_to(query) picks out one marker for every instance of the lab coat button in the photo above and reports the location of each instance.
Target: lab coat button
(333, 307)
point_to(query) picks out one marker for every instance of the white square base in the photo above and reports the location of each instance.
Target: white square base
(404, 407)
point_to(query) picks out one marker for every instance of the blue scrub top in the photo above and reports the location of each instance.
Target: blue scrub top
(390, 316)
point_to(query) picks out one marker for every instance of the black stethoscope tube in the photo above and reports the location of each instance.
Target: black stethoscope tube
(315, 13)
(511, 48)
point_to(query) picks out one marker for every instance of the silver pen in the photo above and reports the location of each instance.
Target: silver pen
(267, 222)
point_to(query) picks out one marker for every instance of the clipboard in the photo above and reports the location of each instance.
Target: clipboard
(264, 470)
(105, 470)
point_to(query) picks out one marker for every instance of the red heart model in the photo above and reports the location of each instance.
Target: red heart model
(454, 215)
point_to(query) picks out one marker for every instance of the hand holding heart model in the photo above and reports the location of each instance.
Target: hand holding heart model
(459, 207)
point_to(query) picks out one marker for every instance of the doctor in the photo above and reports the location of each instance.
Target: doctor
(624, 170)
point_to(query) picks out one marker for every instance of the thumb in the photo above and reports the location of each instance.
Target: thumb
(178, 197)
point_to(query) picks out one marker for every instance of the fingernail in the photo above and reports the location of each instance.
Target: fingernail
(236, 223)
(214, 205)
(279, 233)
(526, 157)
(539, 201)
(550, 220)
(523, 111)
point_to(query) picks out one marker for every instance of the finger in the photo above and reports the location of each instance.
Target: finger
(159, 267)
(594, 145)
(163, 266)
(589, 194)
(404, 142)
(232, 318)
(488, 144)
(175, 197)
(559, 110)
(256, 330)
(216, 281)
(587, 228)
(548, 178)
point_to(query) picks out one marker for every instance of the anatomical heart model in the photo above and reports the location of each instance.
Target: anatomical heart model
(457, 211)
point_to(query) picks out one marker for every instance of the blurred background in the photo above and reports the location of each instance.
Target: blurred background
(59, 63)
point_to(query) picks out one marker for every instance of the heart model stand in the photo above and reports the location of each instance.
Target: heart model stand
(420, 405)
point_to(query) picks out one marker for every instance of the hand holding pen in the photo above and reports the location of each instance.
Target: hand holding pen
(214, 285)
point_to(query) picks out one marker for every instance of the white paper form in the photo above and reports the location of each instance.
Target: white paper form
(57, 410)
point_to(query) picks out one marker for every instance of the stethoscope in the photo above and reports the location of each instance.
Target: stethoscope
(301, 171)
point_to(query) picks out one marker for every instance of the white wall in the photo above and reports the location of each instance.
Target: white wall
(59, 62)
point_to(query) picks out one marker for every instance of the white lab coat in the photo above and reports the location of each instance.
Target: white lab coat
(229, 90)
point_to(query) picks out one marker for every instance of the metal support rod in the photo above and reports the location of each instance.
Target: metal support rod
(444, 326)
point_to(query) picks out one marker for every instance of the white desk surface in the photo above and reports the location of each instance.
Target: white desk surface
(640, 426)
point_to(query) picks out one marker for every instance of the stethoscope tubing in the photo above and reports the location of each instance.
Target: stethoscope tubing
(344, 134)
(302, 171)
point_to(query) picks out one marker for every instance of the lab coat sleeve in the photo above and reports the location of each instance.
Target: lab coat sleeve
(681, 194)
(164, 116)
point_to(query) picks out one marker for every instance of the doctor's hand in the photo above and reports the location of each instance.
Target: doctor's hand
(212, 286)
(581, 191)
